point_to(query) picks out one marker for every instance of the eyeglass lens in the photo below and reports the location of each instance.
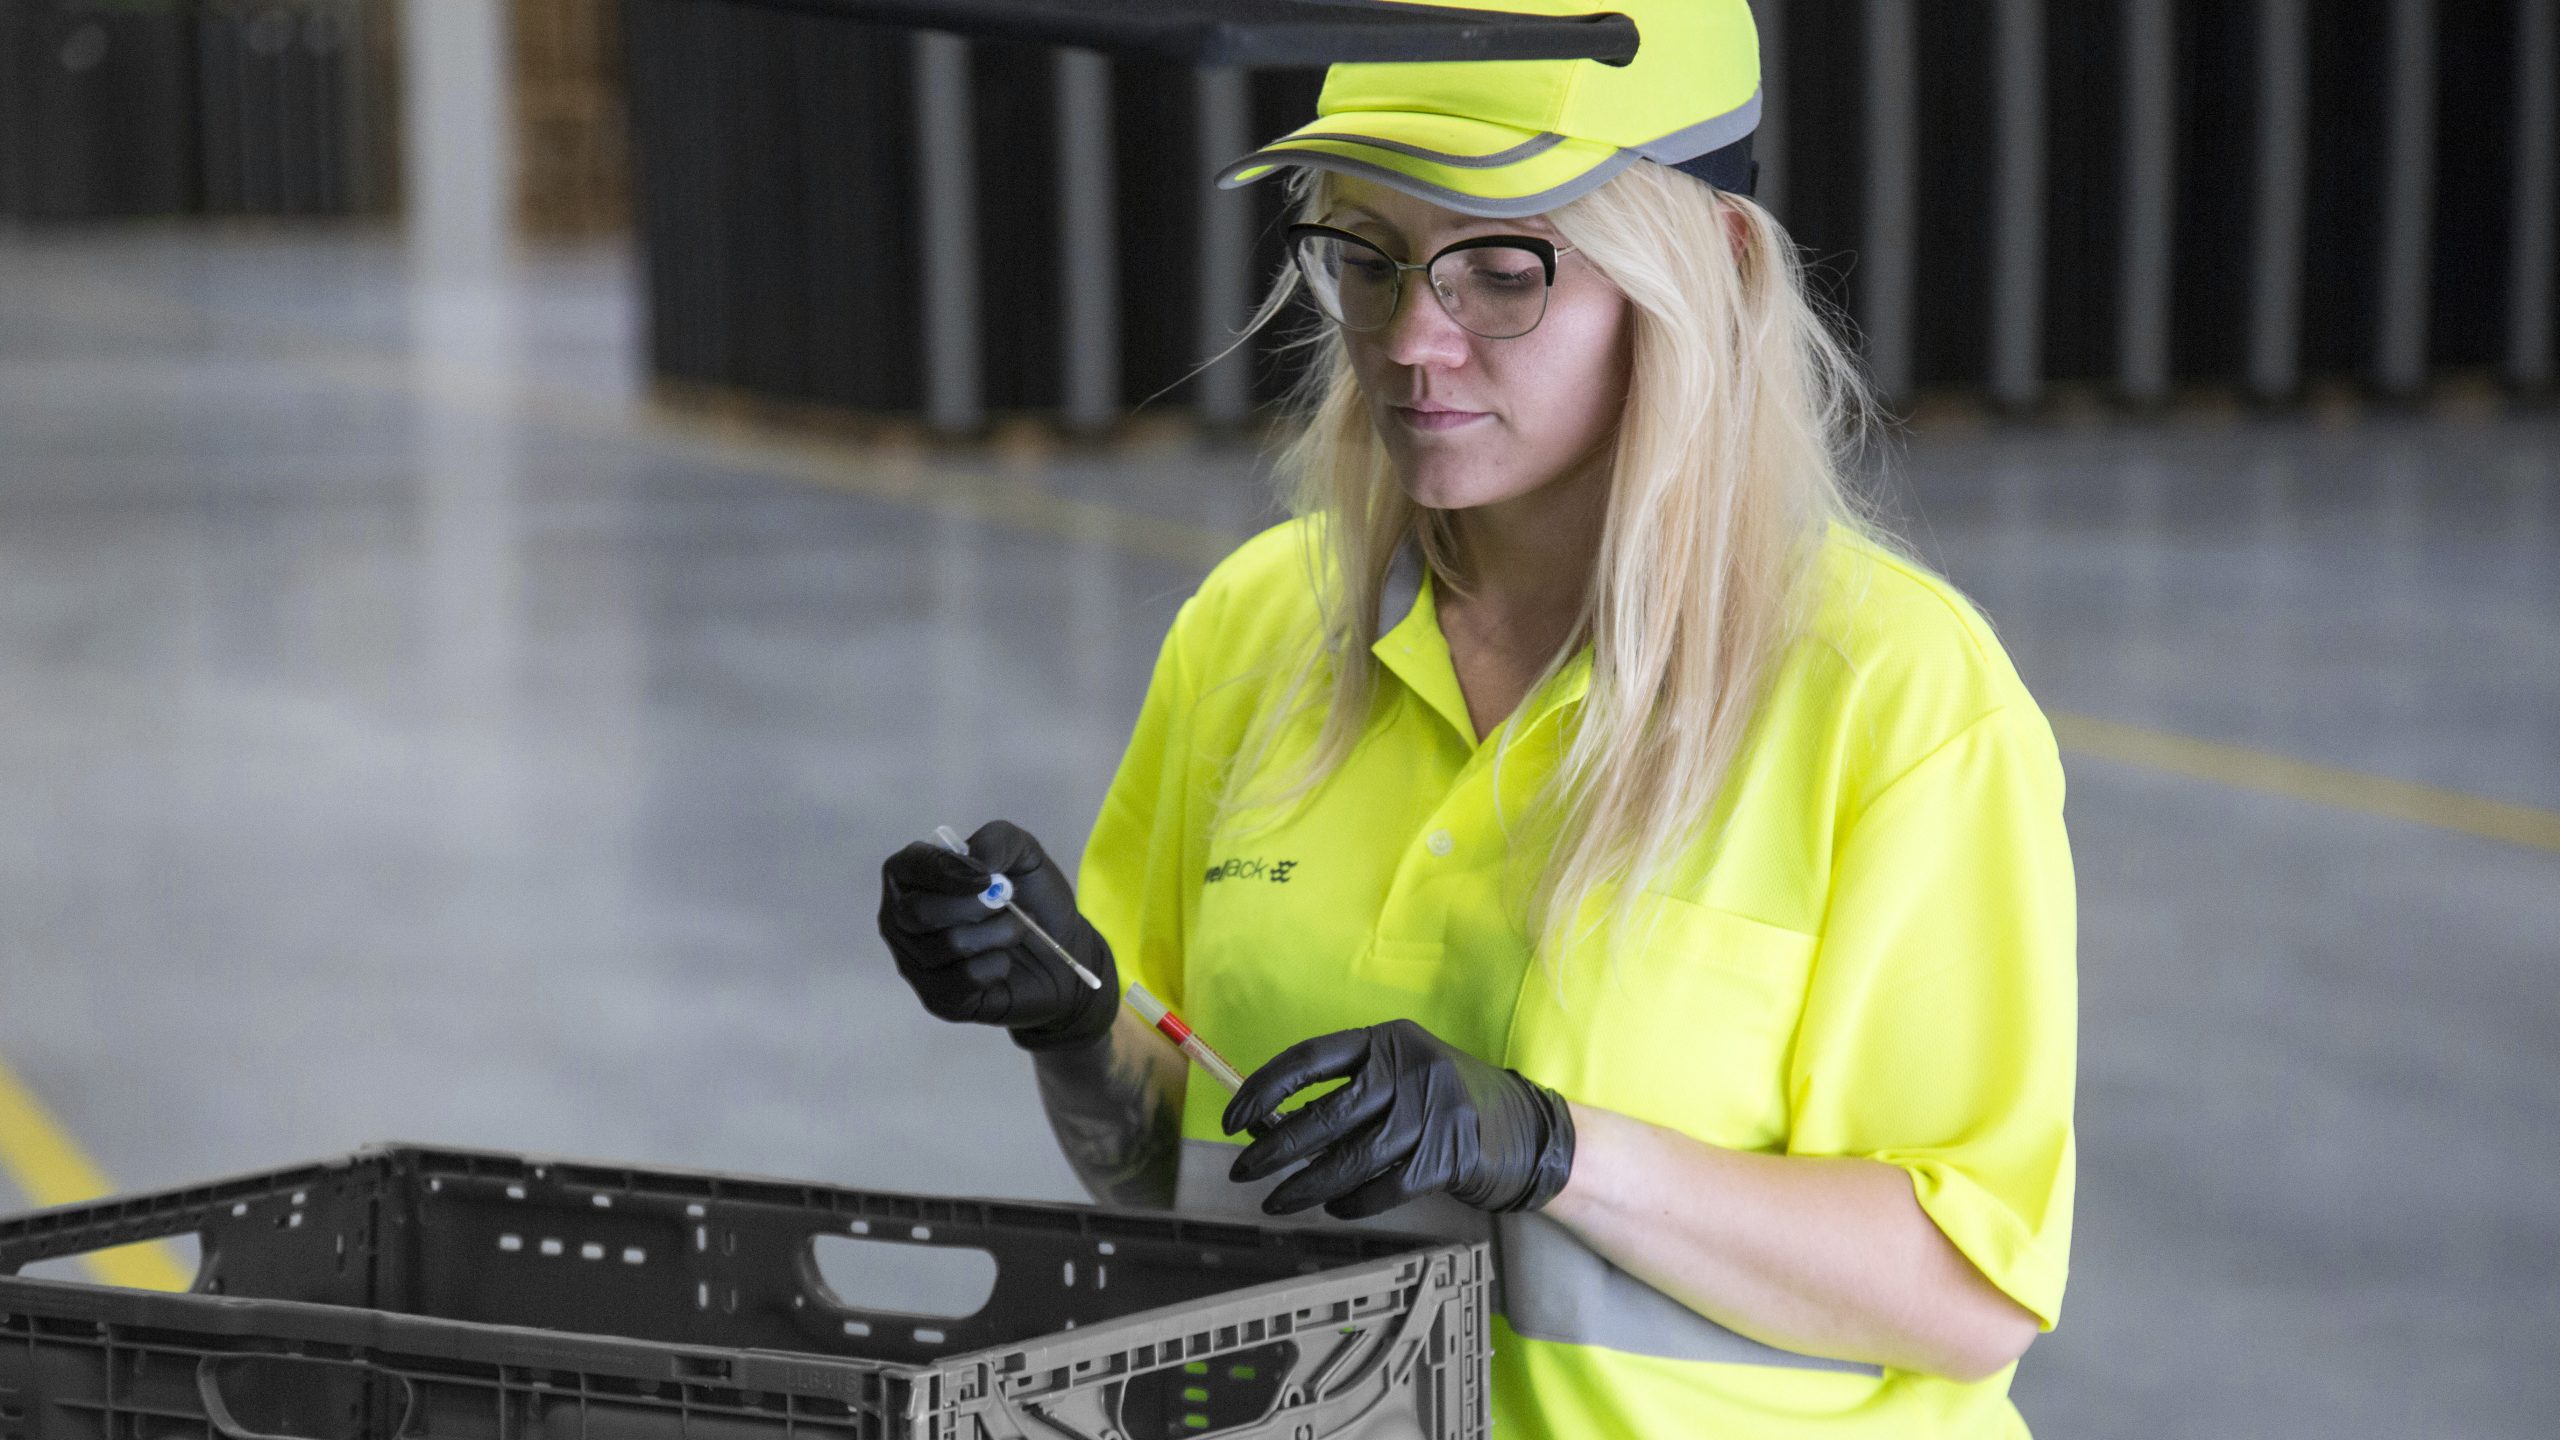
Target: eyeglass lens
(1496, 291)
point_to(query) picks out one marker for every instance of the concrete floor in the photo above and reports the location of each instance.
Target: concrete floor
(411, 736)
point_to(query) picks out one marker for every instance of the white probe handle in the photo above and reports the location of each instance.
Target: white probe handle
(999, 896)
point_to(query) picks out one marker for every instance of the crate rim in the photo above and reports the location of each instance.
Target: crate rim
(385, 1330)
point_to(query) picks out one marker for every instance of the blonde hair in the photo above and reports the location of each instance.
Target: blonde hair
(1744, 416)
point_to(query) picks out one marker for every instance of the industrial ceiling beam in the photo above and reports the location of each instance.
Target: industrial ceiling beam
(1258, 33)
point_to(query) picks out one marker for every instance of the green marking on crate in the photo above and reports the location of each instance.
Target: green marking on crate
(1241, 1372)
(1195, 1422)
(1195, 1394)
(1196, 1367)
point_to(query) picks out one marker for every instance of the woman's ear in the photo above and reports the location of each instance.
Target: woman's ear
(1736, 229)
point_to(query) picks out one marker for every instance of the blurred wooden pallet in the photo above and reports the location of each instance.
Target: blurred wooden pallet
(572, 148)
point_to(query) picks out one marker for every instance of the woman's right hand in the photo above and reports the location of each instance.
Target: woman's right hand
(969, 963)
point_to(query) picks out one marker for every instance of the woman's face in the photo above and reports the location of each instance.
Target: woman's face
(1471, 421)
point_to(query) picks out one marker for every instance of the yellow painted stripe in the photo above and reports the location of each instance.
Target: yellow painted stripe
(2244, 769)
(1023, 506)
(49, 1168)
(837, 464)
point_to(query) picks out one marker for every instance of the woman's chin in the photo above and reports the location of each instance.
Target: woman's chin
(1434, 494)
(1444, 486)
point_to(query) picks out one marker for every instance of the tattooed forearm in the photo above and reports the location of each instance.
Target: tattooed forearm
(1117, 1112)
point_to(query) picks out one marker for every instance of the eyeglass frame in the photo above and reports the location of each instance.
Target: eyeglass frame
(1547, 252)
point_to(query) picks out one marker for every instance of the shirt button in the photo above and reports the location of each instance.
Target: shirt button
(1441, 842)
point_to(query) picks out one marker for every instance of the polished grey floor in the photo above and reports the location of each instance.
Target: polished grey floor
(411, 735)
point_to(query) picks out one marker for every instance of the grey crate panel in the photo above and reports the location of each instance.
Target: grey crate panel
(422, 1292)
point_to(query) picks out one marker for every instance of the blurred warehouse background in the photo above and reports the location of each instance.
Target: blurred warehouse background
(509, 509)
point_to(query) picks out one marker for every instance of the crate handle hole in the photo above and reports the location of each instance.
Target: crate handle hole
(1244, 1389)
(259, 1397)
(946, 1281)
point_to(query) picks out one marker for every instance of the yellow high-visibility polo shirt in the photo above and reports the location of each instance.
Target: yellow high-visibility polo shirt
(1868, 952)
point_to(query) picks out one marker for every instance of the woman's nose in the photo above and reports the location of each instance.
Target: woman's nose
(1421, 332)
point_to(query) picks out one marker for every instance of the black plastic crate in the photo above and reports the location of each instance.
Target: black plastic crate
(406, 1291)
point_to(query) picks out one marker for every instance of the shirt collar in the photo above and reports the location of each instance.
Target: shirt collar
(1412, 648)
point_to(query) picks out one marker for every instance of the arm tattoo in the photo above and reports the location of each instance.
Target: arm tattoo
(1117, 1111)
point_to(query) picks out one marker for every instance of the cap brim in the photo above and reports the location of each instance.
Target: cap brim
(1474, 167)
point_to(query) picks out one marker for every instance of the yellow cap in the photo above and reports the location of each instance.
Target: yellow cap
(1506, 138)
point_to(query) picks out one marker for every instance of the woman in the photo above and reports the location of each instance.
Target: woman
(1673, 873)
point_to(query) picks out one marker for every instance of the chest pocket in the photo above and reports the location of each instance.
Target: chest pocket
(1691, 1026)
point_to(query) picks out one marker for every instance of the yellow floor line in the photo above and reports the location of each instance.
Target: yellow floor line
(836, 464)
(49, 1168)
(2330, 785)
(1019, 506)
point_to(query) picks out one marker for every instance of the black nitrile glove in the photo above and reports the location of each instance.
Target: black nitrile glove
(1418, 1116)
(968, 962)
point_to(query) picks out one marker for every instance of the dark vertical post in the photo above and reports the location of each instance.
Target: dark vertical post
(1887, 255)
(1088, 263)
(2150, 189)
(954, 390)
(1226, 247)
(2276, 222)
(2018, 258)
(2535, 249)
(2408, 217)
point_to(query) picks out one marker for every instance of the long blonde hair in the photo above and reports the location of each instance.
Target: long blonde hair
(1744, 417)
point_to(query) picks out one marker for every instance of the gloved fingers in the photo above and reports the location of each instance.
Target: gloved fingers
(1396, 1187)
(989, 971)
(954, 995)
(998, 934)
(1354, 1162)
(1033, 972)
(922, 912)
(1312, 1127)
(1004, 936)
(926, 866)
(1326, 1057)
(1003, 845)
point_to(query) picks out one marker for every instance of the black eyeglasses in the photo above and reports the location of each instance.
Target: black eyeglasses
(1494, 285)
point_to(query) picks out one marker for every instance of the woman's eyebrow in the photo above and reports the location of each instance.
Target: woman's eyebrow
(1517, 228)
(1339, 211)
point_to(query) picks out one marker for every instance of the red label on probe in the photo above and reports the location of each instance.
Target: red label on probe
(1172, 1028)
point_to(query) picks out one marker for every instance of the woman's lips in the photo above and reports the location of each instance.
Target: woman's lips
(1436, 420)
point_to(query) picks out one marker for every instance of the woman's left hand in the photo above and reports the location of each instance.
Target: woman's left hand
(1416, 1116)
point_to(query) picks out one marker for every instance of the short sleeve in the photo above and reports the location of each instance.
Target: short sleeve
(1131, 885)
(1940, 1031)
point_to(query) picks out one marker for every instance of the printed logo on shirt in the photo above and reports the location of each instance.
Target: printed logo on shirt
(1275, 872)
